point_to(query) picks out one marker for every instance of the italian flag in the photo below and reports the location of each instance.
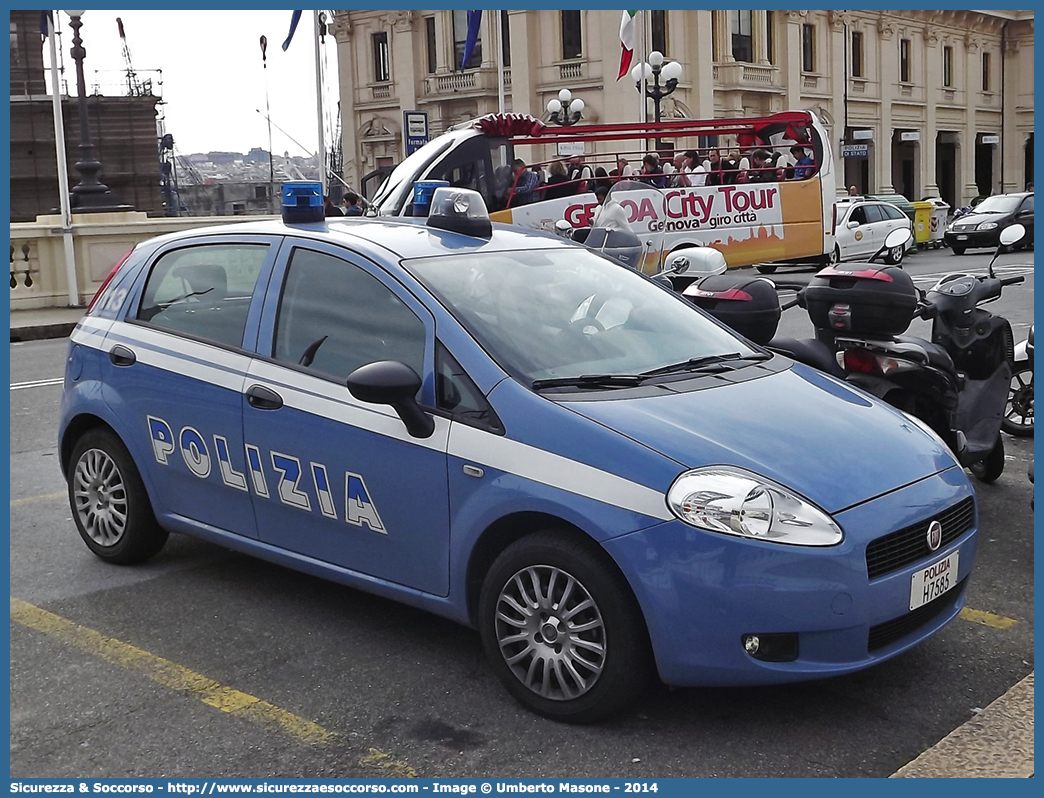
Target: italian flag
(626, 42)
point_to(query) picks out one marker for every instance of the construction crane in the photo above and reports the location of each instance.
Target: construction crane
(134, 86)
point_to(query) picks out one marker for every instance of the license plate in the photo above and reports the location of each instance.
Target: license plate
(962, 238)
(927, 584)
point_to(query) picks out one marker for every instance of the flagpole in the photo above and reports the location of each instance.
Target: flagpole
(644, 112)
(271, 166)
(63, 171)
(499, 24)
(319, 101)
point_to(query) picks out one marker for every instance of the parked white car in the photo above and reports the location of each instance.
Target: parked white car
(862, 226)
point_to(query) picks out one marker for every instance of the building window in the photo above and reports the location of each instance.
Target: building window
(659, 31)
(985, 71)
(770, 36)
(947, 66)
(460, 36)
(857, 54)
(742, 40)
(429, 29)
(505, 37)
(904, 60)
(381, 59)
(808, 48)
(572, 43)
(715, 25)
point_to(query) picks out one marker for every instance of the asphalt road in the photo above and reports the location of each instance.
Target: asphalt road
(109, 665)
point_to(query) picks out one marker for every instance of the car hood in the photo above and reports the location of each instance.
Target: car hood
(832, 444)
(974, 218)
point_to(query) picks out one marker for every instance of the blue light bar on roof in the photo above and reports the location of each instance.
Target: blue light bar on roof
(303, 202)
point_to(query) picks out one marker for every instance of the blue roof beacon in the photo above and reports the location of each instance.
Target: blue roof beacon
(303, 202)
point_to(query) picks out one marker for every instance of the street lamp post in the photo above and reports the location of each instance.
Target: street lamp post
(654, 70)
(565, 109)
(90, 194)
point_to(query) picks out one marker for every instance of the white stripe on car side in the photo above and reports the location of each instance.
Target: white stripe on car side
(320, 397)
(547, 468)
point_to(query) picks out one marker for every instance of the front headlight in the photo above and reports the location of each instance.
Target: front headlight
(986, 226)
(738, 502)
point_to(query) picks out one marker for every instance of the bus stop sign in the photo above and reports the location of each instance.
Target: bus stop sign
(415, 126)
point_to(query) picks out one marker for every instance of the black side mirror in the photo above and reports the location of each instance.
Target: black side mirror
(389, 382)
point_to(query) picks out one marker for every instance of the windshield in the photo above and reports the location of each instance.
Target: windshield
(568, 312)
(404, 175)
(1002, 203)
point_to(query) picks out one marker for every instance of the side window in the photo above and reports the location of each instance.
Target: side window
(858, 215)
(1027, 205)
(469, 166)
(875, 213)
(204, 291)
(334, 317)
(458, 395)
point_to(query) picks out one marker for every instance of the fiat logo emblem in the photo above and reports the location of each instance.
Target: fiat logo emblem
(934, 535)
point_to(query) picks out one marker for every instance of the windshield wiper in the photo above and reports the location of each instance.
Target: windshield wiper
(590, 381)
(705, 363)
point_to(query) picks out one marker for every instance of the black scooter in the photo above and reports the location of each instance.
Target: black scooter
(1018, 413)
(958, 382)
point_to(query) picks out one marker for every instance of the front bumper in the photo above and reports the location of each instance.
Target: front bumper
(972, 238)
(701, 592)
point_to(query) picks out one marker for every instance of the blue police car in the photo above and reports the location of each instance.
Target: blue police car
(516, 433)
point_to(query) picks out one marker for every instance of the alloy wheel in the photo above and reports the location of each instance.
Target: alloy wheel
(100, 497)
(550, 632)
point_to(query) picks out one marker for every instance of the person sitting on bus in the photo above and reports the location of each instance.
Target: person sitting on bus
(713, 167)
(526, 181)
(803, 164)
(602, 178)
(682, 170)
(622, 169)
(558, 184)
(580, 173)
(699, 176)
(762, 167)
(651, 171)
(609, 215)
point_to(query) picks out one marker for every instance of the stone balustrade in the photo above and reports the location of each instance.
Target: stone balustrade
(100, 240)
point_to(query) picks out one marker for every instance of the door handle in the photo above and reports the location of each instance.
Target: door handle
(122, 356)
(263, 398)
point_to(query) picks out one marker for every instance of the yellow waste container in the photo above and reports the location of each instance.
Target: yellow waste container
(923, 221)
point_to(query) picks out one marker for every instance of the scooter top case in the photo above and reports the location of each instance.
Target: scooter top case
(749, 305)
(861, 298)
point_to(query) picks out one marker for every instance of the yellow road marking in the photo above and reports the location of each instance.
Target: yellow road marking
(987, 618)
(395, 768)
(169, 674)
(46, 497)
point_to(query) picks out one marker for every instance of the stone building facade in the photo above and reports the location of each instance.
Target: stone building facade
(933, 103)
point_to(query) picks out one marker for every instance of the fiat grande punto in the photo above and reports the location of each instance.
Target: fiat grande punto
(516, 433)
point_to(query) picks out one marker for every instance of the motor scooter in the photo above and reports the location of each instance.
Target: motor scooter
(750, 305)
(958, 382)
(1018, 412)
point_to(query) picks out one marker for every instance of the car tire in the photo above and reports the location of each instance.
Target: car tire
(990, 468)
(957, 250)
(109, 504)
(524, 617)
(894, 256)
(767, 269)
(1018, 412)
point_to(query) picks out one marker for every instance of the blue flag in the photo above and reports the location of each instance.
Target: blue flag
(293, 27)
(474, 20)
(45, 17)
